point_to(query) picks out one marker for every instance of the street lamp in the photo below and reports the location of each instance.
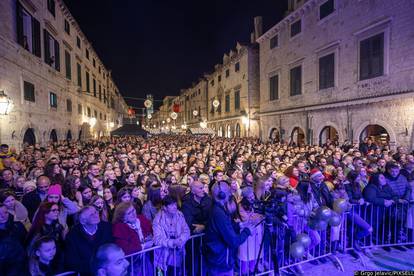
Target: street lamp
(245, 120)
(6, 104)
(195, 113)
(92, 122)
(149, 116)
(216, 103)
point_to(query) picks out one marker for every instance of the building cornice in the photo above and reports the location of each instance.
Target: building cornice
(342, 103)
(288, 19)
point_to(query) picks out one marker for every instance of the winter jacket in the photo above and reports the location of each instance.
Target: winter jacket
(80, 246)
(31, 201)
(166, 230)
(376, 195)
(127, 238)
(221, 239)
(194, 212)
(322, 195)
(12, 254)
(354, 194)
(399, 185)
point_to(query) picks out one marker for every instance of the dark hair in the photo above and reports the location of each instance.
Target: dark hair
(168, 200)
(154, 194)
(374, 180)
(391, 165)
(302, 189)
(5, 193)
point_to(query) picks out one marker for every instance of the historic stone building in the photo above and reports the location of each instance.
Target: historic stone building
(339, 69)
(233, 93)
(59, 87)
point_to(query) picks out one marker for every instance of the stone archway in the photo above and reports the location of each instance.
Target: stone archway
(69, 135)
(53, 136)
(378, 134)
(29, 137)
(297, 136)
(328, 133)
(358, 133)
(237, 131)
(274, 135)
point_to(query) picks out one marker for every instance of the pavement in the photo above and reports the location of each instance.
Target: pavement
(382, 260)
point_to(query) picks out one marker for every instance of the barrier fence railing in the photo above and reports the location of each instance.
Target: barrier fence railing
(291, 244)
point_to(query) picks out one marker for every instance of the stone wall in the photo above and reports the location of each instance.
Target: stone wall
(352, 103)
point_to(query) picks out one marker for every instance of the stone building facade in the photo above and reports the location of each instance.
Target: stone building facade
(234, 85)
(59, 86)
(339, 70)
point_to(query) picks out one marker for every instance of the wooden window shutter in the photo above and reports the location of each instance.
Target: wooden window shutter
(36, 37)
(57, 56)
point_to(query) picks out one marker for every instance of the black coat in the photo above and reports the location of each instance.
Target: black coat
(222, 239)
(80, 247)
(31, 201)
(376, 195)
(322, 195)
(12, 254)
(194, 212)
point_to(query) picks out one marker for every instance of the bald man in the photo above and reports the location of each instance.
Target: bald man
(196, 207)
(33, 199)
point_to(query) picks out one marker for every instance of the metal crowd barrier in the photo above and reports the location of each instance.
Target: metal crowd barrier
(362, 227)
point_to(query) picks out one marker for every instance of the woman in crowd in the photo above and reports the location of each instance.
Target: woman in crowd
(153, 204)
(66, 206)
(15, 207)
(98, 202)
(86, 194)
(12, 236)
(46, 223)
(171, 232)
(132, 232)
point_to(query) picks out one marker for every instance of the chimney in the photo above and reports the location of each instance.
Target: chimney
(252, 38)
(258, 27)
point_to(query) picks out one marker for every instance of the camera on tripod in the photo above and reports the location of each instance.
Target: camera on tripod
(272, 208)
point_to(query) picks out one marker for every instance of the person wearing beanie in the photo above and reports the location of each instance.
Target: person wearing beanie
(28, 187)
(66, 206)
(319, 189)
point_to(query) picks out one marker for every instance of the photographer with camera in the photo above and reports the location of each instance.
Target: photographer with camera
(221, 239)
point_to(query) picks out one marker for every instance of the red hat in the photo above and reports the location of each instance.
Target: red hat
(55, 189)
(314, 172)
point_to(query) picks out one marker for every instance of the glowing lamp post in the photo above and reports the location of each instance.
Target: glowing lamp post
(92, 122)
(6, 104)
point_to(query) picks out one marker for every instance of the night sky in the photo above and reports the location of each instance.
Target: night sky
(160, 46)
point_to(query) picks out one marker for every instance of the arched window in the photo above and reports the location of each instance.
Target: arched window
(297, 137)
(29, 137)
(328, 134)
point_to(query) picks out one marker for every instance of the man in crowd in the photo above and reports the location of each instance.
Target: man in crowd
(33, 199)
(84, 238)
(109, 260)
(221, 239)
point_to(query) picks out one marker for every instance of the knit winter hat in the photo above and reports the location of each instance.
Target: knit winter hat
(29, 184)
(315, 172)
(55, 190)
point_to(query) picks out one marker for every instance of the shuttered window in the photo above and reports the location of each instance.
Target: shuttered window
(52, 51)
(327, 71)
(28, 31)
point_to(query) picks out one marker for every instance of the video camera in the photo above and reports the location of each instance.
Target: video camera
(272, 208)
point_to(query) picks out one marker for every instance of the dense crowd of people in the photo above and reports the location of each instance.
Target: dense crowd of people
(70, 206)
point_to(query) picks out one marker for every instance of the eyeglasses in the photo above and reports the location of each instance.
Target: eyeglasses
(54, 210)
